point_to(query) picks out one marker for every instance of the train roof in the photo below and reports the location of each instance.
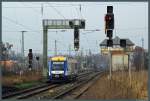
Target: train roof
(62, 58)
(58, 58)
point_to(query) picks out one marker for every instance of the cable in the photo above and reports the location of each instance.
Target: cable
(142, 28)
(87, 32)
(89, 44)
(85, 4)
(56, 10)
(87, 41)
(76, 10)
(72, 13)
(13, 21)
(42, 9)
(59, 39)
(90, 31)
(28, 31)
(32, 8)
(80, 11)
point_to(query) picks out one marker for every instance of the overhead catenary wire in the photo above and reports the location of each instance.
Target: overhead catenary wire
(90, 39)
(85, 4)
(29, 7)
(81, 33)
(35, 10)
(22, 25)
(62, 50)
(42, 9)
(76, 10)
(17, 23)
(80, 8)
(58, 12)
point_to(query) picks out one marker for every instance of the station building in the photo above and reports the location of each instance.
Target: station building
(120, 57)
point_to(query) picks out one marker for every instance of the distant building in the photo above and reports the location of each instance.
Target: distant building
(140, 58)
(120, 56)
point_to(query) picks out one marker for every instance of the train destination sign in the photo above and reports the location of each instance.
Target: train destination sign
(58, 62)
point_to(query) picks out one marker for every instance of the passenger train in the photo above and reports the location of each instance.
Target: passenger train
(62, 68)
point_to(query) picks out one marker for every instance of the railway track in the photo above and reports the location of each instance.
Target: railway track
(9, 95)
(73, 92)
(35, 90)
(62, 92)
(27, 92)
(76, 93)
(58, 90)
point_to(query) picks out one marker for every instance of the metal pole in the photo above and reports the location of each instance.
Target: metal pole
(69, 49)
(86, 58)
(110, 63)
(143, 53)
(1, 47)
(55, 47)
(142, 42)
(123, 65)
(23, 43)
(1, 43)
(22, 49)
(129, 68)
(0, 29)
(45, 66)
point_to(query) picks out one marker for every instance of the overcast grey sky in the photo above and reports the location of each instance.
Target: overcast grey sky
(131, 21)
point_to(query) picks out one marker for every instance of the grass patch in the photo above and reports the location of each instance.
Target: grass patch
(119, 86)
(26, 78)
(26, 85)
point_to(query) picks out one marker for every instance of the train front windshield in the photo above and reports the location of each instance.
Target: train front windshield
(58, 66)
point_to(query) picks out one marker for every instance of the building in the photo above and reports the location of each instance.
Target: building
(140, 58)
(119, 56)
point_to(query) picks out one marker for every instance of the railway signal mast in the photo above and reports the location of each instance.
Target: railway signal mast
(109, 25)
(30, 55)
(76, 38)
(76, 25)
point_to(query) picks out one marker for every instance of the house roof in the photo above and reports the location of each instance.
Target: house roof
(116, 41)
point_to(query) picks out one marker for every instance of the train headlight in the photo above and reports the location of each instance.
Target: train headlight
(49, 73)
(66, 73)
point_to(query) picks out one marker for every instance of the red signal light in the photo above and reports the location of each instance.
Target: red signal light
(107, 17)
(109, 21)
(30, 55)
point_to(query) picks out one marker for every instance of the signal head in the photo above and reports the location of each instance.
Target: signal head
(109, 43)
(109, 9)
(123, 43)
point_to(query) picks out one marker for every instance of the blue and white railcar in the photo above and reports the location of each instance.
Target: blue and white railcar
(62, 68)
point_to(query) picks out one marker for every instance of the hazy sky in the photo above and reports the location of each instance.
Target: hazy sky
(131, 21)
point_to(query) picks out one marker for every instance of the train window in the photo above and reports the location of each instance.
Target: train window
(58, 67)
